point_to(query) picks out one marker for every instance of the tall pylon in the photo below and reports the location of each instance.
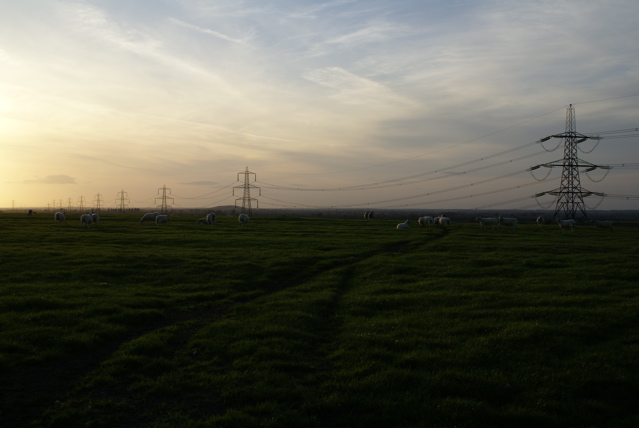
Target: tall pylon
(81, 203)
(246, 195)
(69, 204)
(122, 201)
(570, 195)
(164, 206)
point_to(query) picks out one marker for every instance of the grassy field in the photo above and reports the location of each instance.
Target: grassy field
(288, 322)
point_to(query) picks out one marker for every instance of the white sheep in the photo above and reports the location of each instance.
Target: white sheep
(443, 221)
(161, 219)
(426, 220)
(368, 215)
(149, 217)
(600, 224)
(566, 224)
(488, 221)
(404, 225)
(540, 220)
(96, 217)
(508, 221)
(86, 220)
(243, 218)
(210, 218)
(202, 221)
(58, 217)
(29, 212)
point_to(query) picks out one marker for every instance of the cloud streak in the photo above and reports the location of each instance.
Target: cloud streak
(51, 179)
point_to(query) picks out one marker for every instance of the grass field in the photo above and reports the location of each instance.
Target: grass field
(288, 322)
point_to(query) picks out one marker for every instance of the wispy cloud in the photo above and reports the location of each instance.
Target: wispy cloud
(51, 179)
(350, 88)
(210, 32)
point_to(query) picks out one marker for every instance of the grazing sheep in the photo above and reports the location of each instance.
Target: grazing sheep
(149, 217)
(600, 224)
(404, 225)
(29, 212)
(202, 221)
(210, 218)
(368, 215)
(86, 220)
(161, 219)
(243, 218)
(58, 217)
(566, 224)
(426, 220)
(488, 221)
(540, 220)
(443, 221)
(96, 218)
(508, 221)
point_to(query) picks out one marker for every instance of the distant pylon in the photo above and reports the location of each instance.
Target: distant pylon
(570, 195)
(81, 203)
(122, 201)
(69, 204)
(164, 206)
(246, 195)
(98, 202)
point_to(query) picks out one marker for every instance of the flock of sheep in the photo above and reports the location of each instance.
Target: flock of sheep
(93, 218)
(493, 222)
(86, 220)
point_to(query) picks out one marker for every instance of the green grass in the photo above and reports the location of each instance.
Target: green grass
(314, 322)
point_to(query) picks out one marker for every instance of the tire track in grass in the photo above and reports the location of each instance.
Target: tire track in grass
(30, 391)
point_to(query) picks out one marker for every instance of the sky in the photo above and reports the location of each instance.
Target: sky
(427, 104)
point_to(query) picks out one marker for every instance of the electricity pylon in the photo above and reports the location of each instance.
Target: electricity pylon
(122, 201)
(246, 196)
(98, 202)
(164, 206)
(570, 194)
(81, 203)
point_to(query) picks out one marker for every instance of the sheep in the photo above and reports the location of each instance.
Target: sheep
(368, 215)
(95, 217)
(149, 217)
(210, 218)
(566, 224)
(540, 220)
(602, 224)
(488, 221)
(86, 220)
(404, 225)
(243, 218)
(29, 212)
(443, 221)
(425, 220)
(161, 219)
(202, 221)
(58, 217)
(508, 221)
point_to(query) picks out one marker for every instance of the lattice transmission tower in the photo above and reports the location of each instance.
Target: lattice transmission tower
(164, 197)
(122, 202)
(98, 202)
(570, 194)
(246, 195)
(81, 203)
